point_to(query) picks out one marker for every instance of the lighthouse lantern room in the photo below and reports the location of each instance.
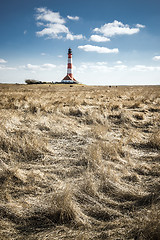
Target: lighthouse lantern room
(69, 77)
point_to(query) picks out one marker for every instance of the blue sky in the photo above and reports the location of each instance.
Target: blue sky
(113, 42)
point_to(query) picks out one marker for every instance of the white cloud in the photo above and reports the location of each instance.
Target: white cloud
(7, 68)
(97, 38)
(101, 63)
(116, 28)
(39, 24)
(100, 67)
(48, 66)
(2, 60)
(120, 67)
(43, 67)
(119, 62)
(25, 32)
(140, 26)
(53, 30)
(156, 58)
(45, 14)
(91, 48)
(72, 37)
(3, 67)
(54, 25)
(32, 67)
(43, 54)
(144, 68)
(93, 67)
(76, 18)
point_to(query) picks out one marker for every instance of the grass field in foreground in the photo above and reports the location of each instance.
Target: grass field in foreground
(80, 162)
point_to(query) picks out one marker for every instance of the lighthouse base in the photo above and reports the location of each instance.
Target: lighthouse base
(69, 80)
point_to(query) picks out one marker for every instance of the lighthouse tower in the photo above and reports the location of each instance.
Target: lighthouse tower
(69, 77)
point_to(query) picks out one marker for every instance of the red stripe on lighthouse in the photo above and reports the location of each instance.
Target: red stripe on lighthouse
(70, 65)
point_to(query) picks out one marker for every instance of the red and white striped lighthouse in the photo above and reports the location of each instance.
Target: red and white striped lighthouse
(69, 67)
(69, 77)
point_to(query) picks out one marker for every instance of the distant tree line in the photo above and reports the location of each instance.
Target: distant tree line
(32, 81)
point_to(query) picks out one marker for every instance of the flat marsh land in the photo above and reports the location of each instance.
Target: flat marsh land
(79, 162)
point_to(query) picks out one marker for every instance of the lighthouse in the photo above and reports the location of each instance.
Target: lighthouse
(69, 77)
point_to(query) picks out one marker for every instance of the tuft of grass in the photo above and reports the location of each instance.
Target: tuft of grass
(22, 145)
(75, 112)
(67, 210)
(154, 140)
(138, 116)
(148, 225)
(90, 184)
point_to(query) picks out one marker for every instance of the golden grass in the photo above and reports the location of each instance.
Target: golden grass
(79, 163)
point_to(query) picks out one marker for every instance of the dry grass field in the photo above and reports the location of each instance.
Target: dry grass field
(79, 162)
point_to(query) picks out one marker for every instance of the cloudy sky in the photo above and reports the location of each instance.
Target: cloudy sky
(113, 42)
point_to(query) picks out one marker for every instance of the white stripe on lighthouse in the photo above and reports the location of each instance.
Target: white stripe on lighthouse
(69, 60)
(69, 70)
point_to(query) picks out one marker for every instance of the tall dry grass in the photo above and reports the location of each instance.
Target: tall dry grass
(79, 163)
